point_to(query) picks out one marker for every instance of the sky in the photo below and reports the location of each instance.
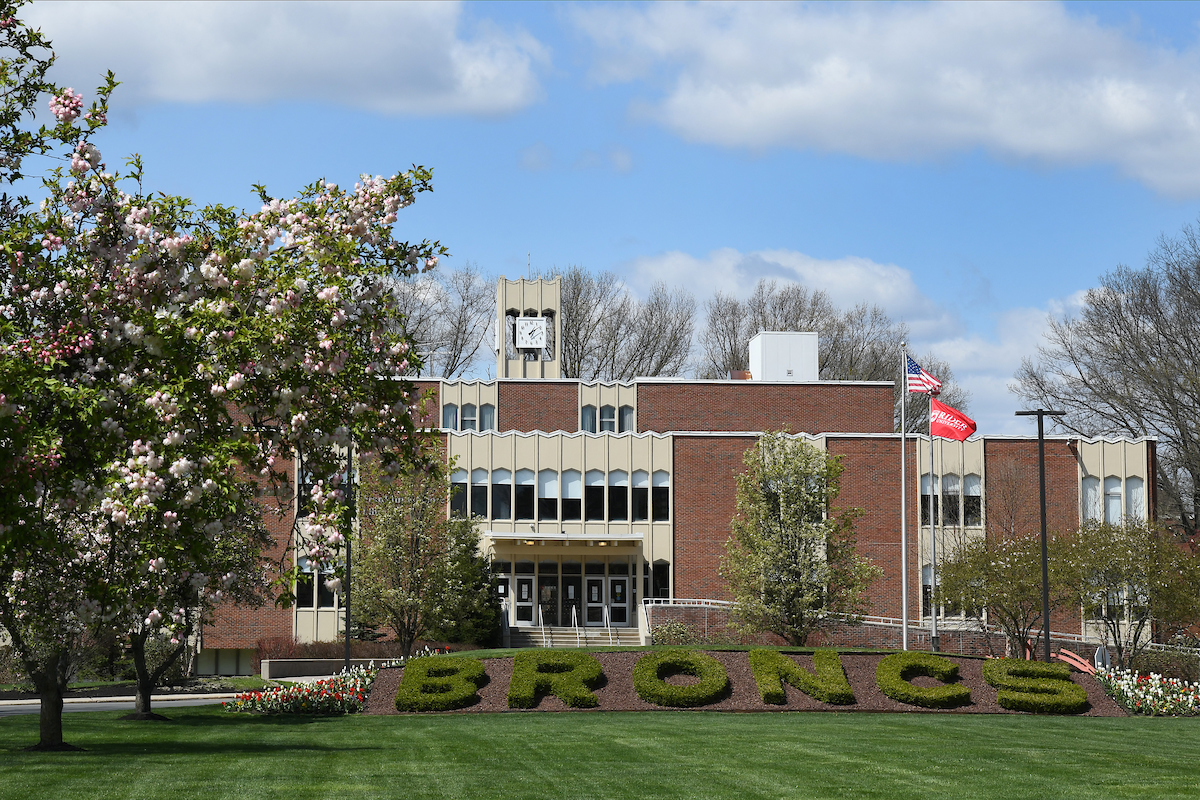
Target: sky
(972, 168)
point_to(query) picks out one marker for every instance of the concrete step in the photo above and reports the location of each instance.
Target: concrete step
(574, 637)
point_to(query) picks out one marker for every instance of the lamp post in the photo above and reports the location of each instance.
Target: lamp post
(348, 523)
(1041, 414)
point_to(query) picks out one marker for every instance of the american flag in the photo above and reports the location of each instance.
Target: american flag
(919, 380)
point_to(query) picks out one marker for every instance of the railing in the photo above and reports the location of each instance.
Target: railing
(542, 626)
(580, 641)
(649, 603)
(608, 624)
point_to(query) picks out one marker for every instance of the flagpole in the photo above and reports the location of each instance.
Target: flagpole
(903, 500)
(934, 642)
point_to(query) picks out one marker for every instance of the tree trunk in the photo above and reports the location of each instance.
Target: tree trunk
(51, 683)
(146, 682)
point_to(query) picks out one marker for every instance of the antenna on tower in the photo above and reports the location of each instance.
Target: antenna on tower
(529, 265)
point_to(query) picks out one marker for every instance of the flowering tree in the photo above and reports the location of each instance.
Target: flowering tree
(791, 561)
(156, 358)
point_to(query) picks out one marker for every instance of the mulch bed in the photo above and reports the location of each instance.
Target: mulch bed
(617, 692)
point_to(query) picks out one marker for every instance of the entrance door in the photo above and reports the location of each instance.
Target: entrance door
(618, 605)
(524, 601)
(572, 601)
(548, 598)
(595, 601)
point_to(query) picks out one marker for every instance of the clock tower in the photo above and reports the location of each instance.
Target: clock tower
(528, 328)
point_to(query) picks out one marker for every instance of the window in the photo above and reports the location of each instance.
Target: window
(1135, 498)
(950, 500)
(587, 419)
(458, 493)
(608, 419)
(641, 495)
(1112, 500)
(926, 591)
(973, 500)
(929, 500)
(548, 494)
(1091, 499)
(450, 417)
(487, 417)
(593, 495)
(468, 417)
(572, 495)
(661, 579)
(660, 496)
(625, 419)
(304, 585)
(618, 496)
(501, 494)
(523, 502)
(479, 493)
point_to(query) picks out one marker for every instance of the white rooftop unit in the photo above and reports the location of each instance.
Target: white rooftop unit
(784, 356)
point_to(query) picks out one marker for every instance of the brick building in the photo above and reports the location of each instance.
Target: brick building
(594, 497)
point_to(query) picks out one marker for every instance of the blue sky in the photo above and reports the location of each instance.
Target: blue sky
(973, 168)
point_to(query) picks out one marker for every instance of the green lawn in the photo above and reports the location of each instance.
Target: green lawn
(206, 753)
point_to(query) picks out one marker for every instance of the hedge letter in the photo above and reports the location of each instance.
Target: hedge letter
(439, 683)
(651, 670)
(567, 674)
(894, 672)
(1035, 686)
(772, 669)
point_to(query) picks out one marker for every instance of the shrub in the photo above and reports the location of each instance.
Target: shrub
(829, 685)
(674, 632)
(440, 684)
(652, 670)
(1177, 664)
(894, 672)
(1035, 686)
(569, 675)
(345, 693)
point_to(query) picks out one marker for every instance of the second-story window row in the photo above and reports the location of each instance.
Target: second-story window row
(606, 419)
(469, 418)
(569, 496)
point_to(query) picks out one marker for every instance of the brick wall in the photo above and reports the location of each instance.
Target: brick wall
(537, 406)
(751, 406)
(241, 626)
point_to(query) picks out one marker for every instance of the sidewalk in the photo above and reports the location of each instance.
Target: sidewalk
(157, 698)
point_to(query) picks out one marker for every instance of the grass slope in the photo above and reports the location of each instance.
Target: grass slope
(204, 752)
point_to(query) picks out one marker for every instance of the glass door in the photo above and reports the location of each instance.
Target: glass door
(618, 605)
(572, 600)
(524, 601)
(595, 600)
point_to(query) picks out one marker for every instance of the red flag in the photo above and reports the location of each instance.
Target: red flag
(949, 422)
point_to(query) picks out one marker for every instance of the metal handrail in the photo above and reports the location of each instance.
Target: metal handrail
(579, 641)
(542, 626)
(608, 625)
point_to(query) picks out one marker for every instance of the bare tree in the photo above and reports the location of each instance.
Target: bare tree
(1128, 363)
(858, 344)
(448, 314)
(608, 334)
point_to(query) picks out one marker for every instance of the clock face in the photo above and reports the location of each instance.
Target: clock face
(531, 332)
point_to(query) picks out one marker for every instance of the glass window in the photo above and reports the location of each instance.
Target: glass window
(524, 567)
(929, 500)
(325, 597)
(593, 495)
(950, 500)
(608, 419)
(450, 417)
(572, 495)
(304, 585)
(548, 494)
(487, 417)
(660, 496)
(523, 501)
(618, 496)
(587, 419)
(625, 419)
(1091, 499)
(1112, 500)
(641, 495)
(468, 417)
(501, 494)
(479, 493)
(972, 500)
(661, 580)
(1135, 498)
(458, 493)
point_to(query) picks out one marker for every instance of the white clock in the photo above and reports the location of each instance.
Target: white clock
(531, 333)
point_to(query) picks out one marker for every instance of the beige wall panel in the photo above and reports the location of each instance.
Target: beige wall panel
(1091, 456)
(1114, 459)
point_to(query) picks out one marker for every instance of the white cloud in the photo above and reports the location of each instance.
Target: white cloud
(848, 281)
(910, 81)
(410, 58)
